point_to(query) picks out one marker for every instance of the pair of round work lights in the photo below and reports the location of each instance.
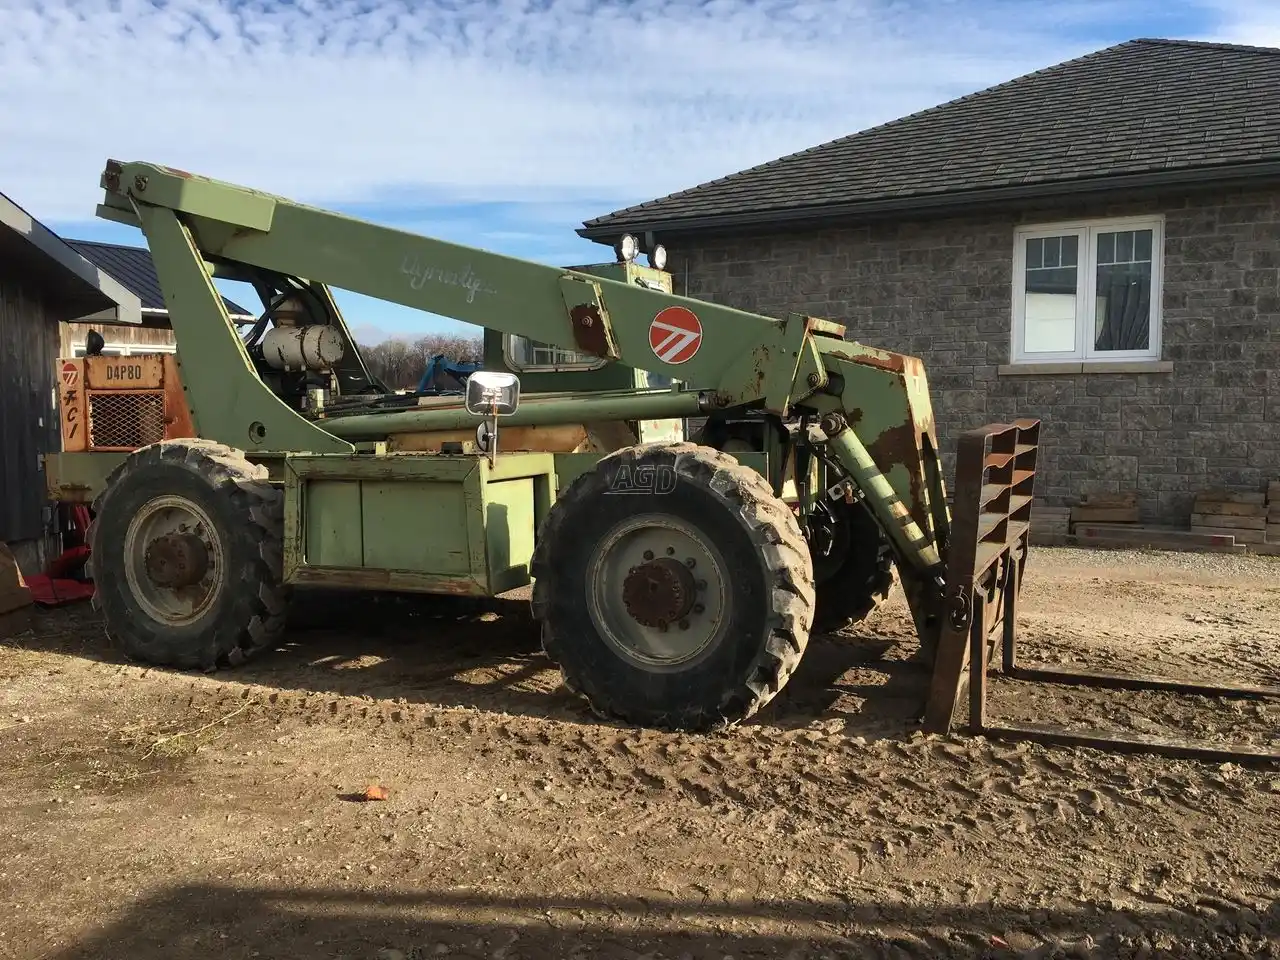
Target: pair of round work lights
(628, 248)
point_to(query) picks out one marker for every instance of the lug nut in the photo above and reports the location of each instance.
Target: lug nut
(648, 554)
(670, 551)
(690, 563)
(684, 624)
(698, 608)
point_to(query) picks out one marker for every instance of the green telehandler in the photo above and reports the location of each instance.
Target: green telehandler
(675, 582)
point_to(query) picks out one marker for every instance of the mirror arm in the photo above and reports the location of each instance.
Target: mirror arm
(493, 433)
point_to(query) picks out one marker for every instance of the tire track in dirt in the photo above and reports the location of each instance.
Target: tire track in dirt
(883, 799)
(828, 800)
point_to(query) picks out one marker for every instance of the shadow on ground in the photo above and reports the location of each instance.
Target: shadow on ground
(486, 654)
(201, 921)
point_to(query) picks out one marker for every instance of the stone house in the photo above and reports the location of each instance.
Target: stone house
(1096, 244)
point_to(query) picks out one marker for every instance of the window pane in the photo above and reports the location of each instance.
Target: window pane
(519, 348)
(1035, 253)
(526, 353)
(1123, 319)
(1142, 245)
(1049, 324)
(1124, 246)
(1106, 248)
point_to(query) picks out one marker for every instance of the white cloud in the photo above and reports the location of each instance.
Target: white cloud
(1252, 22)
(340, 102)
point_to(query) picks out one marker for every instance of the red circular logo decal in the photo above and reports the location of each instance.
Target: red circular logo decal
(675, 334)
(70, 373)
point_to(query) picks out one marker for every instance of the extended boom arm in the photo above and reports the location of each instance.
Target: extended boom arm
(874, 405)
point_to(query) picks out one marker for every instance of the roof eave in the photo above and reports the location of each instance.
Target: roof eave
(115, 299)
(960, 201)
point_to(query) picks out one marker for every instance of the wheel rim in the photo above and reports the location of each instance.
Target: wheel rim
(648, 601)
(173, 560)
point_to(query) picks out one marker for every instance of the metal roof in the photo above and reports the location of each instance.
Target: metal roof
(133, 267)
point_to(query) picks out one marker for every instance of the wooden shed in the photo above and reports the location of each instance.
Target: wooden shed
(43, 283)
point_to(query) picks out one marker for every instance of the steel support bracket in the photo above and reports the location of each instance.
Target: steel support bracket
(592, 329)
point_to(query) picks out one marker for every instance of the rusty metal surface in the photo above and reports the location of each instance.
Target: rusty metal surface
(888, 402)
(73, 410)
(363, 578)
(1210, 751)
(990, 532)
(995, 476)
(659, 592)
(901, 446)
(589, 331)
(142, 372)
(177, 415)
(1110, 679)
(177, 560)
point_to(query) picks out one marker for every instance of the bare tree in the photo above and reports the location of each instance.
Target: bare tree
(400, 363)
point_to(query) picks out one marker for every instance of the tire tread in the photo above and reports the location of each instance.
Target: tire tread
(771, 526)
(262, 596)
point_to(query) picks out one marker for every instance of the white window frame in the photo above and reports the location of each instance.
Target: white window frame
(561, 359)
(1086, 232)
(110, 349)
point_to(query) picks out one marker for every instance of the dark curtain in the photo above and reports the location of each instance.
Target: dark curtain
(1127, 293)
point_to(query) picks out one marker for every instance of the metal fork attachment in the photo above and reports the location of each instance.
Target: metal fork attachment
(991, 525)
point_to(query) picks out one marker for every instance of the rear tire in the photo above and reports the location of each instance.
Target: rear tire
(187, 556)
(613, 566)
(858, 576)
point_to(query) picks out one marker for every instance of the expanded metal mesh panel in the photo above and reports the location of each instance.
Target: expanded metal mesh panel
(126, 420)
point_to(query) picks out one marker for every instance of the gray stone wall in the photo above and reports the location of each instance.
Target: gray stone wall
(942, 290)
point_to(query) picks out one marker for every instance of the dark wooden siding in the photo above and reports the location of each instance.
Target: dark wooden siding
(72, 335)
(28, 420)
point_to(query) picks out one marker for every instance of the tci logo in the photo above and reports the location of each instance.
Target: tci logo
(646, 478)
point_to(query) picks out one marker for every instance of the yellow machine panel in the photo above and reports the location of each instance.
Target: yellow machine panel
(120, 403)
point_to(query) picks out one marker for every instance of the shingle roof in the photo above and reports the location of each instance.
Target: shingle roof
(1148, 109)
(132, 267)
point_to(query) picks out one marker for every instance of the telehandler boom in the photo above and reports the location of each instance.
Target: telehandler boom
(674, 584)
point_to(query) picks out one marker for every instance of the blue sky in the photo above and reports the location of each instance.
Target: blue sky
(503, 124)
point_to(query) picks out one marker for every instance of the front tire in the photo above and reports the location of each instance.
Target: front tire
(674, 590)
(187, 556)
(853, 565)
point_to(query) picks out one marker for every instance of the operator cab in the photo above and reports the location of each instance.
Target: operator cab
(544, 368)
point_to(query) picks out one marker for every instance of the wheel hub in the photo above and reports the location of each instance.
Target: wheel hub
(659, 592)
(176, 560)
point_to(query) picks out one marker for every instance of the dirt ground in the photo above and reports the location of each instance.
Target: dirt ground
(151, 814)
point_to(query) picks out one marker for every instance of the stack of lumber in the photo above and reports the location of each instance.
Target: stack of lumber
(1108, 508)
(1273, 512)
(1050, 526)
(1240, 515)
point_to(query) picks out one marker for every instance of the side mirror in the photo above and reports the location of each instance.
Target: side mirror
(492, 394)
